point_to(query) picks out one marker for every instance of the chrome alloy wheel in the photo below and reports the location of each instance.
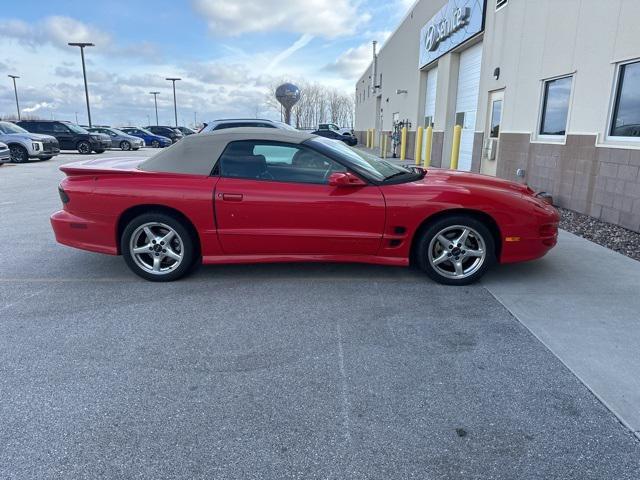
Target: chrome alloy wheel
(457, 252)
(156, 248)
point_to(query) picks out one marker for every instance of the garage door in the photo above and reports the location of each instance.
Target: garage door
(467, 101)
(430, 102)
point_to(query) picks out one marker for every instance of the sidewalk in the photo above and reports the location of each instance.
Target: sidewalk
(583, 302)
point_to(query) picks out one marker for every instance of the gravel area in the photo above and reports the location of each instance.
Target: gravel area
(606, 234)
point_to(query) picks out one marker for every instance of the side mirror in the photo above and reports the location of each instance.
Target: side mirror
(345, 179)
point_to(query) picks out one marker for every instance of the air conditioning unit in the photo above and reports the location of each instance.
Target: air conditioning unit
(490, 147)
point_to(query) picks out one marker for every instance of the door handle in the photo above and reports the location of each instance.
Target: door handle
(232, 197)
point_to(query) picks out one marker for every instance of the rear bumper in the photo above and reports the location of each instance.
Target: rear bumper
(95, 235)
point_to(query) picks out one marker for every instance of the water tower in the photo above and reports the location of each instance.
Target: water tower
(288, 95)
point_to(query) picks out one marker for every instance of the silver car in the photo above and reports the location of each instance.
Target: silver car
(120, 139)
(5, 154)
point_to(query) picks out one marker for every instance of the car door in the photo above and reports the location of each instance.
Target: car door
(274, 199)
(64, 136)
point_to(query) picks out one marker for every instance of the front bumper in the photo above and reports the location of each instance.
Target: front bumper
(5, 156)
(44, 149)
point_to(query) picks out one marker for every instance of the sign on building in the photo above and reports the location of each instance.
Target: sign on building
(455, 23)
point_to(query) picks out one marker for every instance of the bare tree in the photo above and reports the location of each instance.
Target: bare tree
(317, 104)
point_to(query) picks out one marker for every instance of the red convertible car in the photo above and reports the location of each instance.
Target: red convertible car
(249, 195)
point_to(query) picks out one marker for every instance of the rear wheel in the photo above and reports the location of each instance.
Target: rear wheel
(124, 145)
(456, 250)
(157, 247)
(19, 154)
(84, 147)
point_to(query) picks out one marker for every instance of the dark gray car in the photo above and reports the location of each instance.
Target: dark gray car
(120, 139)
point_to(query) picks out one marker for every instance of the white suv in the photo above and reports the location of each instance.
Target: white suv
(243, 122)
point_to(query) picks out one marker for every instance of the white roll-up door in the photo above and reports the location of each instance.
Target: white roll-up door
(467, 101)
(430, 102)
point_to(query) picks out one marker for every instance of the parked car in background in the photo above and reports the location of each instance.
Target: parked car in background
(5, 154)
(332, 134)
(186, 131)
(244, 122)
(255, 195)
(120, 139)
(69, 135)
(150, 139)
(335, 128)
(24, 145)
(170, 132)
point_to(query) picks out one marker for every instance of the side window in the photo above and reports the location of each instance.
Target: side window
(279, 162)
(60, 128)
(626, 114)
(224, 126)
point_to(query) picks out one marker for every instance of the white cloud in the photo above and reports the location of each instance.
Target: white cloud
(37, 107)
(56, 30)
(323, 18)
(302, 42)
(354, 61)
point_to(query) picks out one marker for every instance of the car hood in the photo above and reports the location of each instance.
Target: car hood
(31, 136)
(469, 180)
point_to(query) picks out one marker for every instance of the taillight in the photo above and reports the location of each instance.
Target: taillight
(63, 195)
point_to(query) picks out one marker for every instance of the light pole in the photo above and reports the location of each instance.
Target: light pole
(15, 90)
(175, 107)
(155, 101)
(84, 73)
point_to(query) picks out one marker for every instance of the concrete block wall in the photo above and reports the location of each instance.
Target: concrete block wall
(603, 182)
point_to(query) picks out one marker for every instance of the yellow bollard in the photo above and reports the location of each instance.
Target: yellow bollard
(418, 147)
(428, 146)
(373, 138)
(384, 146)
(403, 144)
(455, 148)
(368, 138)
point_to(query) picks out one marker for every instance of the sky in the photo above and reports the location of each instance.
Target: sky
(228, 54)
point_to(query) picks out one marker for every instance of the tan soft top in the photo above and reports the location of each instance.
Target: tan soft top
(197, 154)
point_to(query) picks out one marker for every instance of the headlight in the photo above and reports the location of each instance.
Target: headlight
(37, 146)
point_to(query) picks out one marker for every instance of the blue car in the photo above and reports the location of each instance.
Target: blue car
(150, 139)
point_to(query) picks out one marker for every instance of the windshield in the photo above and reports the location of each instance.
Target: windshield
(76, 128)
(378, 169)
(144, 130)
(6, 127)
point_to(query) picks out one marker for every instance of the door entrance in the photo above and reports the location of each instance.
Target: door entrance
(467, 101)
(492, 133)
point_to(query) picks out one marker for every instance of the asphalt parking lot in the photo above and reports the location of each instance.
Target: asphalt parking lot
(272, 371)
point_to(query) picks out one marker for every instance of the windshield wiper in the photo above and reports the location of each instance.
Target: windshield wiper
(395, 175)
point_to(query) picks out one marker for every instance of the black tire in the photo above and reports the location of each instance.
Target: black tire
(155, 144)
(19, 154)
(125, 146)
(46, 158)
(99, 150)
(453, 221)
(84, 147)
(189, 246)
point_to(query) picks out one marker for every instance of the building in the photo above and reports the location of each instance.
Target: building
(546, 91)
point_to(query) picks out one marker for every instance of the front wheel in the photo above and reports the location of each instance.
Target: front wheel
(84, 148)
(18, 154)
(48, 157)
(456, 250)
(125, 146)
(155, 144)
(157, 247)
(99, 150)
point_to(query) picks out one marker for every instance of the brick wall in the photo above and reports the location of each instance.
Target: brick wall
(599, 181)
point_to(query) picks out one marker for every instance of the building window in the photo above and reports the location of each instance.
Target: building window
(496, 117)
(555, 106)
(626, 113)
(500, 3)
